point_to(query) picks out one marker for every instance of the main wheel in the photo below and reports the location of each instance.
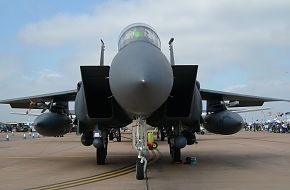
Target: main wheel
(101, 153)
(139, 170)
(175, 153)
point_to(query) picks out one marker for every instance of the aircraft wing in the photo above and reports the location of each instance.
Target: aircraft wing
(243, 100)
(25, 102)
(248, 110)
(27, 114)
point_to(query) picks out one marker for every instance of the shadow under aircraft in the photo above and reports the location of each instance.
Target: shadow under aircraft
(142, 87)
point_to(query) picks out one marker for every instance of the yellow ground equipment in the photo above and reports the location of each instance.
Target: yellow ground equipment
(150, 140)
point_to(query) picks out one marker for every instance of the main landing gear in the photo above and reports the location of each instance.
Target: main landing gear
(175, 153)
(140, 142)
(101, 144)
(101, 154)
(176, 142)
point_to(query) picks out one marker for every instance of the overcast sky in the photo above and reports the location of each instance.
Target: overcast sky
(240, 46)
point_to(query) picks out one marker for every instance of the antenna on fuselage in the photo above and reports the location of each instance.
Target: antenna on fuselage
(171, 51)
(102, 53)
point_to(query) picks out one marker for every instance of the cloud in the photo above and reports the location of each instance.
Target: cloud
(202, 22)
(271, 88)
(250, 38)
(204, 30)
(59, 30)
(11, 65)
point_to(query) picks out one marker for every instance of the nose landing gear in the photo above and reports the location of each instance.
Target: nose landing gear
(140, 142)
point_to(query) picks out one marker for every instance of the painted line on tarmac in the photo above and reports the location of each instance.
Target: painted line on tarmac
(39, 157)
(154, 155)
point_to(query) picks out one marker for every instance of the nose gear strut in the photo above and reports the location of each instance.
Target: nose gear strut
(140, 142)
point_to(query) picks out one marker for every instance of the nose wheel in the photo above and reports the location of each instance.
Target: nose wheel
(141, 166)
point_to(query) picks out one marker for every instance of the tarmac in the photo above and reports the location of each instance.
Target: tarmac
(246, 160)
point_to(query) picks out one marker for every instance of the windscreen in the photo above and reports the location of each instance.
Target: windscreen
(138, 32)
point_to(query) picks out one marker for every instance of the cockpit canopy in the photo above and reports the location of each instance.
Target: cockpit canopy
(138, 32)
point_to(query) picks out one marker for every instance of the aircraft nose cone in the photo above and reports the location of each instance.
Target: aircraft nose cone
(141, 78)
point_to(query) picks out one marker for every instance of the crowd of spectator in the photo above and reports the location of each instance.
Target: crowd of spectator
(272, 127)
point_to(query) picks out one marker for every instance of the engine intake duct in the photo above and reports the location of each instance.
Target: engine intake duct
(97, 91)
(179, 102)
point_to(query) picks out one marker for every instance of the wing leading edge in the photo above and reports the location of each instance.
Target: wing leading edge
(243, 100)
(25, 102)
